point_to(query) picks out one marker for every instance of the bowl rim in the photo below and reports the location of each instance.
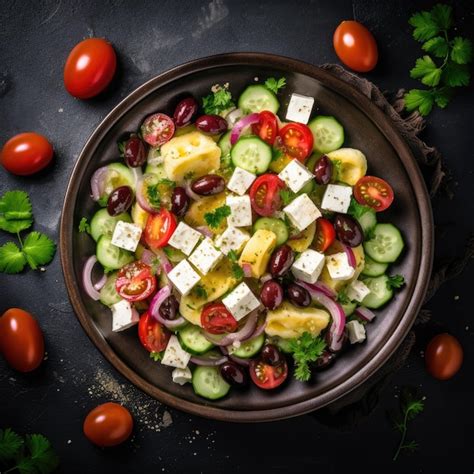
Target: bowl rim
(383, 124)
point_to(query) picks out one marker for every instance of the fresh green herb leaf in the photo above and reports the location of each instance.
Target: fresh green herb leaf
(10, 445)
(200, 292)
(395, 281)
(12, 259)
(214, 219)
(275, 85)
(306, 349)
(232, 256)
(217, 101)
(189, 175)
(342, 297)
(287, 195)
(422, 100)
(425, 26)
(336, 169)
(42, 455)
(442, 96)
(15, 212)
(156, 356)
(443, 16)
(456, 75)
(237, 271)
(121, 147)
(426, 69)
(167, 182)
(84, 225)
(461, 52)
(277, 153)
(39, 249)
(358, 210)
(437, 46)
(153, 195)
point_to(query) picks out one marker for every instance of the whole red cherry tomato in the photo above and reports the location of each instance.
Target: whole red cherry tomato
(443, 356)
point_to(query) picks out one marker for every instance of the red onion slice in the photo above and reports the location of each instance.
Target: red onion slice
(247, 268)
(208, 361)
(137, 175)
(204, 230)
(100, 284)
(364, 313)
(243, 333)
(154, 309)
(147, 257)
(257, 332)
(98, 182)
(350, 256)
(142, 200)
(241, 124)
(328, 291)
(165, 264)
(239, 360)
(87, 278)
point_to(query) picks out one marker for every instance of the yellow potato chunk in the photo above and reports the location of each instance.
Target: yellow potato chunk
(195, 215)
(258, 250)
(352, 164)
(139, 215)
(303, 240)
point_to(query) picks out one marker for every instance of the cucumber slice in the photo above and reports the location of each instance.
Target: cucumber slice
(208, 383)
(193, 341)
(111, 256)
(282, 344)
(328, 133)
(312, 161)
(277, 226)
(307, 188)
(174, 255)
(367, 221)
(249, 348)
(380, 292)
(257, 98)
(157, 170)
(224, 144)
(251, 154)
(373, 268)
(119, 175)
(103, 223)
(108, 293)
(386, 245)
(349, 308)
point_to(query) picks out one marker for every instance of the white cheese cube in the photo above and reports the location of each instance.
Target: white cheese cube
(175, 355)
(308, 266)
(240, 211)
(299, 108)
(232, 239)
(183, 277)
(241, 301)
(126, 236)
(240, 181)
(124, 316)
(338, 266)
(357, 291)
(184, 238)
(205, 257)
(355, 331)
(181, 376)
(337, 198)
(295, 175)
(302, 212)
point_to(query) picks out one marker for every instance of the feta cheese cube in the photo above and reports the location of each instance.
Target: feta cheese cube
(338, 266)
(240, 181)
(124, 316)
(181, 376)
(240, 211)
(126, 236)
(337, 198)
(184, 238)
(295, 175)
(232, 239)
(205, 257)
(308, 266)
(299, 108)
(175, 355)
(241, 301)
(357, 291)
(183, 277)
(355, 331)
(302, 212)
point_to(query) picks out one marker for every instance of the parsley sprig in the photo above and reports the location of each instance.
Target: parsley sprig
(450, 67)
(84, 226)
(395, 282)
(214, 219)
(306, 349)
(237, 270)
(275, 85)
(217, 101)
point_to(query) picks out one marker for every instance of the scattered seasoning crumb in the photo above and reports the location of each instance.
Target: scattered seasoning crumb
(69, 441)
(255, 78)
(60, 110)
(467, 328)
(456, 297)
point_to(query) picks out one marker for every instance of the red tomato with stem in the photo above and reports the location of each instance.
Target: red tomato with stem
(265, 194)
(325, 234)
(373, 192)
(296, 141)
(267, 127)
(443, 356)
(216, 319)
(153, 335)
(135, 282)
(157, 129)
(159, 228)
(268, 376)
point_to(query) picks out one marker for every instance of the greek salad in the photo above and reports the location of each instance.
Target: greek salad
(244, 245)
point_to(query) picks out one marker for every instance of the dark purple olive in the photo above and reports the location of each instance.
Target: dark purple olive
(233, 374)
(212, 124)
(323, 170)
(208, 185)
(169, 308)
(120, 200)
(348, 230)
(185, 111)
(325, 360)
(298, 295)
(271, 294)
(281, 260)
(179, 201)
(271, 355)
(134, 152)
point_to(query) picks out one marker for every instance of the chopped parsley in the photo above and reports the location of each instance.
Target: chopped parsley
(395, 282)
(156, 356)
(275, 85)
(84, 226)
(215, 218)
(237, 271)
(287, 195)
(232, 256)
(200, 292)
(306, 349)
(217, 101)
(342, 297)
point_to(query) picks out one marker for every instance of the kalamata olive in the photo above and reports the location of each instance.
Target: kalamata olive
(271, 355)
(134, 152)
(208, 185)
(212, 124)
(325, 360)
(281, 260)
(120, 200)
(323, 170)
(348, 230)
(298, 295)
(179, 201)
(169, 308)
(233, 373)
(271, 294)
(185, 111)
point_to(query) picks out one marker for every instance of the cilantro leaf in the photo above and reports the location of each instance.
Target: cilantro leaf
(156, 356)
(153, 195)
(275, 85)
(232, 256)
(237, 271)
(358, 210)
(217, 101)
(200, 292)
(426, 69)
(84, 225)
(395, 281)
(461, 52)
(39, 249)
(442, 96)
(287, 195)
(215, 218)
(306, 349)
(425, 26)
(456, 75)
(10, 445)
(342, 297)
(12, 259)
(15, 212)
(422, 100)
(442, 15)
(42, 455)
(437, 46)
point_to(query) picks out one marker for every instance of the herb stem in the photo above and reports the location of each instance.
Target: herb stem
(404, 434)
(10, 470)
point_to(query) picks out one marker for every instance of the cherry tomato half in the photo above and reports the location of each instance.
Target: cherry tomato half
(267, 127)
(153, 335)
(108, 424)
(26, 153)
(89, 68)
(297, 141)
(268, 376)
(157, 129)
(159, 228)
(21, 340)
(355, 46)
(325, 234)
(135, 281)
(443, 356)
(373, 192)
(216, 319)
(265, 194)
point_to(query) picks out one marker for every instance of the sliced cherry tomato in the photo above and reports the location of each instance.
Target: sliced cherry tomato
(159, 228)
(373, 192)
(268, 376)
(325, 234)
(216, 319)
(158, 129)
(265, 194)
(135, 281)
(153, 335)
(443, 356)
(267, 127)
(297, 141)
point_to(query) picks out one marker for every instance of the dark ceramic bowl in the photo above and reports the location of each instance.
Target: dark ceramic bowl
(367, 128)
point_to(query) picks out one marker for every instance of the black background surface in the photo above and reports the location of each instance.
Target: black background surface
(150, 37)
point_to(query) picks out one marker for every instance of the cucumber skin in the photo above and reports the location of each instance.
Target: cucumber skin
(116, 265)
(102, 215)
(254, 88)
(372, 301)
(196, 382)
(105, 298)
(282, 236)
(370, 252)
(187, 347)
(244, 355)
(313, 124)
(236, 160)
